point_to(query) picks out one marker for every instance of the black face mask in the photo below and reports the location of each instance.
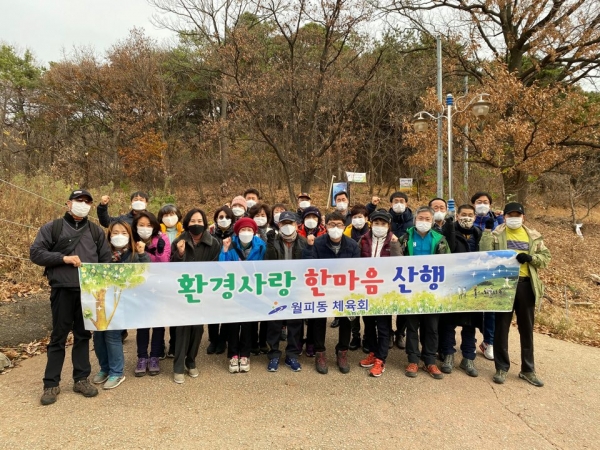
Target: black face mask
(196, 230)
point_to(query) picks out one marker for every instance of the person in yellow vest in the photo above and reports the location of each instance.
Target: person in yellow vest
(533, 255)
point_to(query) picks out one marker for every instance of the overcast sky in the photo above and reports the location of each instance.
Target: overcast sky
(47, 27)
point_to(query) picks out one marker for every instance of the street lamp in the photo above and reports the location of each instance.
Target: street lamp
(480, 107)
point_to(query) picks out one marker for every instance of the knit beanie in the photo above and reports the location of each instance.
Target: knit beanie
(239, 200)
(245, 222)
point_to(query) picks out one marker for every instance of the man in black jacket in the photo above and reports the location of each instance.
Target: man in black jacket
(78, 241)
(332, 245)
(139, 202)
(285, 245)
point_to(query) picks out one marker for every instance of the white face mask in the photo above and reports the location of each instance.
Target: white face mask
(246, 237)
(304, 204)
(423, 227)
(119, 240)
(379, 232)
(398, 208)
(335, 233)
(170, 221)
(138, 205)
(466, 222)
(514, 223)
(144, 232)
(310, 223)
(224, 223)
(482, 209)
(250, 203)
(260, 221)
(276, 217)
(287, 230)
(237, 211)
(358, 223)
(80, 209)
(438, 216)
(341, 206)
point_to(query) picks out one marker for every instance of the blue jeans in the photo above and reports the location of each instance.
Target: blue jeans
(109, 351)
(489, 326)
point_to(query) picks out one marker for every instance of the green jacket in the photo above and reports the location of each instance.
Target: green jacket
(496, 240)
(438, 244)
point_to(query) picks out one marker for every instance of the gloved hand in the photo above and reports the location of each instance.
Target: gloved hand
(524, 258)
(489, 223)
(160, 245)
(271, 236)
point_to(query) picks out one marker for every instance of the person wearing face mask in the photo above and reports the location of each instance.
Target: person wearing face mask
(311, 223)
(146, 230)
(485, 218)
(194, 244)
(223, 221)
(442, 221)
(139, 202)
(245, 245)
(261, 213)
(467, 237)
(330, 246)
(533, 255)
(239, 207)
(378, 242)
(60, 247)
(303, 203)
(252, 197)
(341, 206)
(423, 240)
(278, 208)
(285, 245)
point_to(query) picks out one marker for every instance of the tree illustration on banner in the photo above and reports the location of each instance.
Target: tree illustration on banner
(100, 279)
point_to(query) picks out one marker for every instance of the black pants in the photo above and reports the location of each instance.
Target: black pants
(172, 339)
(187, 345)
(427, 326)
(157, 344)
(524, 307)
(295, 329)
(66, 316)
(217, 333)
(355, 325)
(401, 325)
(238, 341)
(377, 335)
(320, 329)
(448, 340)
(259, 334)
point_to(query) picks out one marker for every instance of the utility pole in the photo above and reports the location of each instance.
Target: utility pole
(440, 148)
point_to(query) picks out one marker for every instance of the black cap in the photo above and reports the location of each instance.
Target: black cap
(288, 216)
(310, 210)
(80, 193)
(381, 214)
(304, 194)
(513, 207)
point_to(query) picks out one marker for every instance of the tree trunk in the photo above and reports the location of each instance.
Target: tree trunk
(306, 180)
(516, 186)
(101, 321)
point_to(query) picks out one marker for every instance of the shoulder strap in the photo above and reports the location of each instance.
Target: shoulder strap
(96, 232)
(57, 225)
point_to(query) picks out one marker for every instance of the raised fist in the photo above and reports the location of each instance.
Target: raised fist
(104, 200)
(310, 239)
(140, 247)
(375, 200)
(226, 244)
(181, 247)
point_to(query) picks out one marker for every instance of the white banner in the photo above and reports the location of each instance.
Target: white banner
(356, 177)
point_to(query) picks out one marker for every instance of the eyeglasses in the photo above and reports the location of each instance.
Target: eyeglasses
(80, 200)
(335, 225)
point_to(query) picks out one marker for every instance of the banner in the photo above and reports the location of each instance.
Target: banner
(120, 296)
(356, 177)
(406, 183)
(336, 188)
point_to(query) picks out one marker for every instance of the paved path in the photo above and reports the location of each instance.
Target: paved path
(308, 410)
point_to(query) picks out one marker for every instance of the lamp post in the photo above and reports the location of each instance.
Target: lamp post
(480, 107)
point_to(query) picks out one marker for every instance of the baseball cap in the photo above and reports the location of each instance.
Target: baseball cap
(288, 216)
(304, 194)
(514, 207)
(80, 193)
(381, 214)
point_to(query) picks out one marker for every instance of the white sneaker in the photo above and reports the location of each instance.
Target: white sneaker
(193, 372)
(244, 364)
(487, 350)
(234, 365)
(178, 378)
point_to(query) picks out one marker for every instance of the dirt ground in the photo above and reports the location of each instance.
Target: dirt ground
(25, 319)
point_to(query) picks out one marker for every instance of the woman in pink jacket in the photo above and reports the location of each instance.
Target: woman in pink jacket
(146, 230)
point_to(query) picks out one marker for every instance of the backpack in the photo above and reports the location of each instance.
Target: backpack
(57, 226)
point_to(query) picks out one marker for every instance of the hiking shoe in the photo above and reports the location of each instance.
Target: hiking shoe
(310, 350)
(264, 349)
(531, 378)
(171, 353)
(342, 361)
(411, 370)
(85, 388)
(140, 369)
(487, 350)
(178, 378)
(321, 362)
(100, 378)
(500, 376)
(244, 364)
(365, 347)
(293, 364)
(273, 365)
(391, 343)
(335, 323)
(433, 370)
(283, 336)
(221, 347)
(153, 367)
(378, 368)
(368, 361)
(192, 372)
(448, 364)
(234, 365)
(468, 365)
(212, 348)
(113, 382)
(255, 351)
(49, 395)
(124, 335)
(401, 342)
(354, 343)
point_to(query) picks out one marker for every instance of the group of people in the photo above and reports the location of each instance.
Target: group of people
(249, 229)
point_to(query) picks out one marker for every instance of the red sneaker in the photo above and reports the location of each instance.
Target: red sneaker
(368, 361)
(434, 371)
(378, 368)
(411, 370)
